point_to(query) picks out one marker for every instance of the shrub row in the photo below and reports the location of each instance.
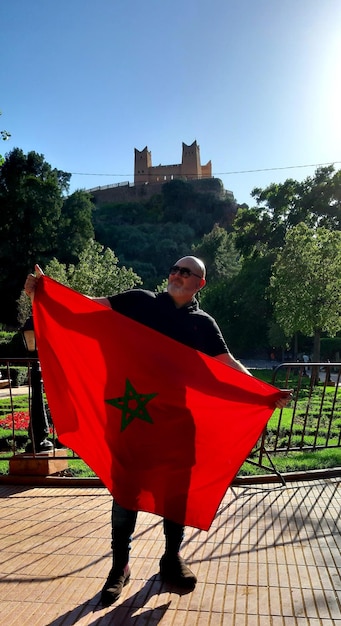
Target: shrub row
(18, 375)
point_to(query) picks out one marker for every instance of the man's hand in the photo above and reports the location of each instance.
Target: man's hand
(284, 400)
(32, 281)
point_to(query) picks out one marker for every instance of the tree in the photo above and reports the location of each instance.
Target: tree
(305, 285)
(261, 231)
(75, 226)
(242, 307)
(321, 198)
(234, 294)
(31, 199)
(151, 233)
(316, 201)
(217, 250)
(5, 136)
(96, 274)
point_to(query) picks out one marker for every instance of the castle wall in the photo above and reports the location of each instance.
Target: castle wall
(148, 179)
(163, 173)
(206, 170)
(128, 192)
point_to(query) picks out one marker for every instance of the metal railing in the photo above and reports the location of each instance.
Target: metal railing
(16, 409)
(311, 422)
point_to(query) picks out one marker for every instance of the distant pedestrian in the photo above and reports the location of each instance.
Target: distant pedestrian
(305, 360)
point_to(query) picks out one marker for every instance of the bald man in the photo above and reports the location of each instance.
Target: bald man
(175, 313)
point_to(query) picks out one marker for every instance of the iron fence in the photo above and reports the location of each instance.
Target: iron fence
(311, 422)
(18, 402)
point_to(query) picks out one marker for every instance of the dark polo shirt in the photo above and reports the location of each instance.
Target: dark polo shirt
(189, 324)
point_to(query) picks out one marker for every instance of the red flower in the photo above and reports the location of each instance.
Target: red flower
(19, 420)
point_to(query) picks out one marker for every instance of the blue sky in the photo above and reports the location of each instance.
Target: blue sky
(255, 82)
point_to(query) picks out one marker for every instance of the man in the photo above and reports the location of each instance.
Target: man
(175, 313)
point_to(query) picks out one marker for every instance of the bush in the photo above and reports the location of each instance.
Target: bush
(12, 346)
(330, 348)
(18, 375)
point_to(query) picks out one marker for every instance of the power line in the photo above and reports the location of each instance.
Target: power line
(273, 169)
(264, 169)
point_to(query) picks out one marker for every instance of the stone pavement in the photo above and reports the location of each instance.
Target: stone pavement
(271, 558)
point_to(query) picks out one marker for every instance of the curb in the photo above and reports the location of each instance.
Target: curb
(66, 481)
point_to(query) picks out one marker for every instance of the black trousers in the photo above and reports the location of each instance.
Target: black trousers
(123, 526)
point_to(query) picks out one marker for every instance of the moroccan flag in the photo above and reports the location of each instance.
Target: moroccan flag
(164, 426)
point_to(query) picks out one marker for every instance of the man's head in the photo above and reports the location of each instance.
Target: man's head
(186, 278)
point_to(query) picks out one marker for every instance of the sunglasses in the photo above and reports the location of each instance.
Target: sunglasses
(185, 272)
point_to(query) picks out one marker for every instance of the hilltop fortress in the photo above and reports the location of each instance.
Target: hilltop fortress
(148, 178)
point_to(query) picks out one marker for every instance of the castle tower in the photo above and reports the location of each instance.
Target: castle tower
(142, 163)
(190, 163)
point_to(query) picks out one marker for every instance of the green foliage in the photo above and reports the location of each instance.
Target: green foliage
(316, 201)
(20, 403)
(277, 337)
(298, 462)
(77, 467)
(241, 307)
(12, 346)
(75, 226)
(151, 235)
(219, 254)
(330, 348)
(5, 136)
(262, 232)
(31, 201)
(17, 375)
(24, 308)
(96, 274)
(37, 222)
(306, 282)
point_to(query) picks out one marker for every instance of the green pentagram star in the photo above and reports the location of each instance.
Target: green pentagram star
(132, 405)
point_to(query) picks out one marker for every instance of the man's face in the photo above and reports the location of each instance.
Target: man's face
(182, 285)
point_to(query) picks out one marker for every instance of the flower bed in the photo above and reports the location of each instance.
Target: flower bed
(19, 420)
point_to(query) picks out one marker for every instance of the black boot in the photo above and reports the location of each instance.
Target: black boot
(115, 582)
(123, 525)
(174, 570)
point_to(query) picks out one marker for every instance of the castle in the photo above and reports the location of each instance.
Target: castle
(148, 179)
(190, 167)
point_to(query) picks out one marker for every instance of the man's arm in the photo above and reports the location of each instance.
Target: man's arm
(228, 359)
(103, 301)
(32, 280)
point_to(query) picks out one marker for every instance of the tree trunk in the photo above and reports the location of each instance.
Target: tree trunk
(295, 346)
(317, 345)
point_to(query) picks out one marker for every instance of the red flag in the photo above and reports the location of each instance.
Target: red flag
(165, 427)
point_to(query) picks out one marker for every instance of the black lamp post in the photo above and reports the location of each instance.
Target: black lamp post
(38, 429)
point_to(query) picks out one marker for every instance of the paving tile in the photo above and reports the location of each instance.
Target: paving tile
(271, 557)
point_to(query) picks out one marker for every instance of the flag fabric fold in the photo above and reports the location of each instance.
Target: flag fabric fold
(166, 428)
